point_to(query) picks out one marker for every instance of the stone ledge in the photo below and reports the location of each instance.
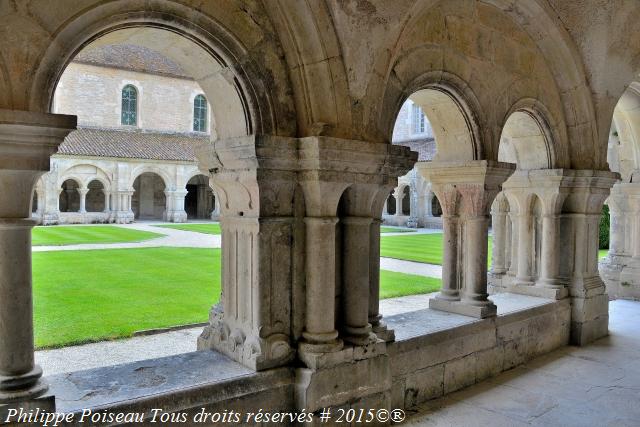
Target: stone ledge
(460, 307)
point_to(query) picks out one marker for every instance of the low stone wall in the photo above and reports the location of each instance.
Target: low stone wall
(429, 366)
(435, 353)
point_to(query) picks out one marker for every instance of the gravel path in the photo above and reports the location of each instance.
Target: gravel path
(173, 237)
(108, 353)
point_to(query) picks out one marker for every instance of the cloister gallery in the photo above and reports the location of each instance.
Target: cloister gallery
(534, 109)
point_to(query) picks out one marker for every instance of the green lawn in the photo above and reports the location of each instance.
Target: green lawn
(85, 296)
(602, 253)
(71, 235)
(394, 284)
(209, 228)
(425, 248)
(82, 296)
(395, 230)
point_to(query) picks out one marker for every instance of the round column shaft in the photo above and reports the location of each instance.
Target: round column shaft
(320, 334)
(449, 290)
(549, 252)
(525, 247)
(355, 270)
(19, 376)
(475, 292)
(513, 264)
(499, 231)
(375, 318)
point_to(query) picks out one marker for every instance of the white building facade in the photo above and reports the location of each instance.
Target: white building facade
(140, 117)
(412, 203)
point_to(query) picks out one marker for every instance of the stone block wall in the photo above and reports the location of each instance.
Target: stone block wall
(430, 366)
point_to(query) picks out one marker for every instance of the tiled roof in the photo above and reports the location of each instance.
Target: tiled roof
(131, 57)
(131, 144)
(426, 148)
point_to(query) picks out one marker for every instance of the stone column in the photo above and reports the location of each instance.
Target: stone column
(499, 219)
(107, 207)
(513, 263)
(255, 178)
(26, 141)
(355, 270)
(449, 197)
(399, 195)
(83, 200)
(476, 183)
(378, 326)
(320, 334)
(429, 204)
(412, 221)
(550, 256)
(476, 202)
(587, 191)
(525, 247)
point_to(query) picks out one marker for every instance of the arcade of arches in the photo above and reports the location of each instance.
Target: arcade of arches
(521, 96)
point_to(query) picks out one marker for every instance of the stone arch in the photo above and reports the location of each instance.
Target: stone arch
(391, 203)
(451, 108)
(251, 84)
(406, 200)
(624, 143)
(85, 173)
(95, 199)
(149, 200)
(168, 182)
(526, 138)
(69, 198)
(548, 69)
(199, 202)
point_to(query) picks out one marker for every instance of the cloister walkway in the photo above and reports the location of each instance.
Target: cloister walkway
(596, 385)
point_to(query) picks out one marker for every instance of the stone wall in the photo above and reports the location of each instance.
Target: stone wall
(94, 94)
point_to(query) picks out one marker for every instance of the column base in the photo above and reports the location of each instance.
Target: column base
(255, 352)
(176, 216)
(538, 290)
(589, 318)
(463, 308)
(359, 336)
(379, 327)
(44, 403)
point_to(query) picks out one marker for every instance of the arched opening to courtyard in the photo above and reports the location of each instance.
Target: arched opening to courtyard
(69, 199)
(97, 197)
(149, 201)
(200, 202)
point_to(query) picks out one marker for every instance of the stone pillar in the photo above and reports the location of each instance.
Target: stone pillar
(412, 221)
(399, 195)
(320, 334)
(525, 247)
(499, 225)
(621, 242)
(174, 205)
(550, 256)
(513, 245)
(449, 196)
(107, 198)
(355, 269)
(26, 141)
(429, 204)
(83, 199)
(255, 178)
(581, 213)
(475, 185)
(122, 206)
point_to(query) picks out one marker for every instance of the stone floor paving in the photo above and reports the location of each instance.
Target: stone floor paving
(596, 385)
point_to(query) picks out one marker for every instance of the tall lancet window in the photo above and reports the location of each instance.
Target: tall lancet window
(200, 114)
(129, 106)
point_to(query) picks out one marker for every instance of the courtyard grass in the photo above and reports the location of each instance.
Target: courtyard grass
(208, 228)
(83, 296)
(96, 295)
(395, 230)
(426, 248)
(73, 235)
(602, 253)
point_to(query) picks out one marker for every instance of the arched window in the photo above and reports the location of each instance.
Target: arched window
(129, 106)
(200, 114)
